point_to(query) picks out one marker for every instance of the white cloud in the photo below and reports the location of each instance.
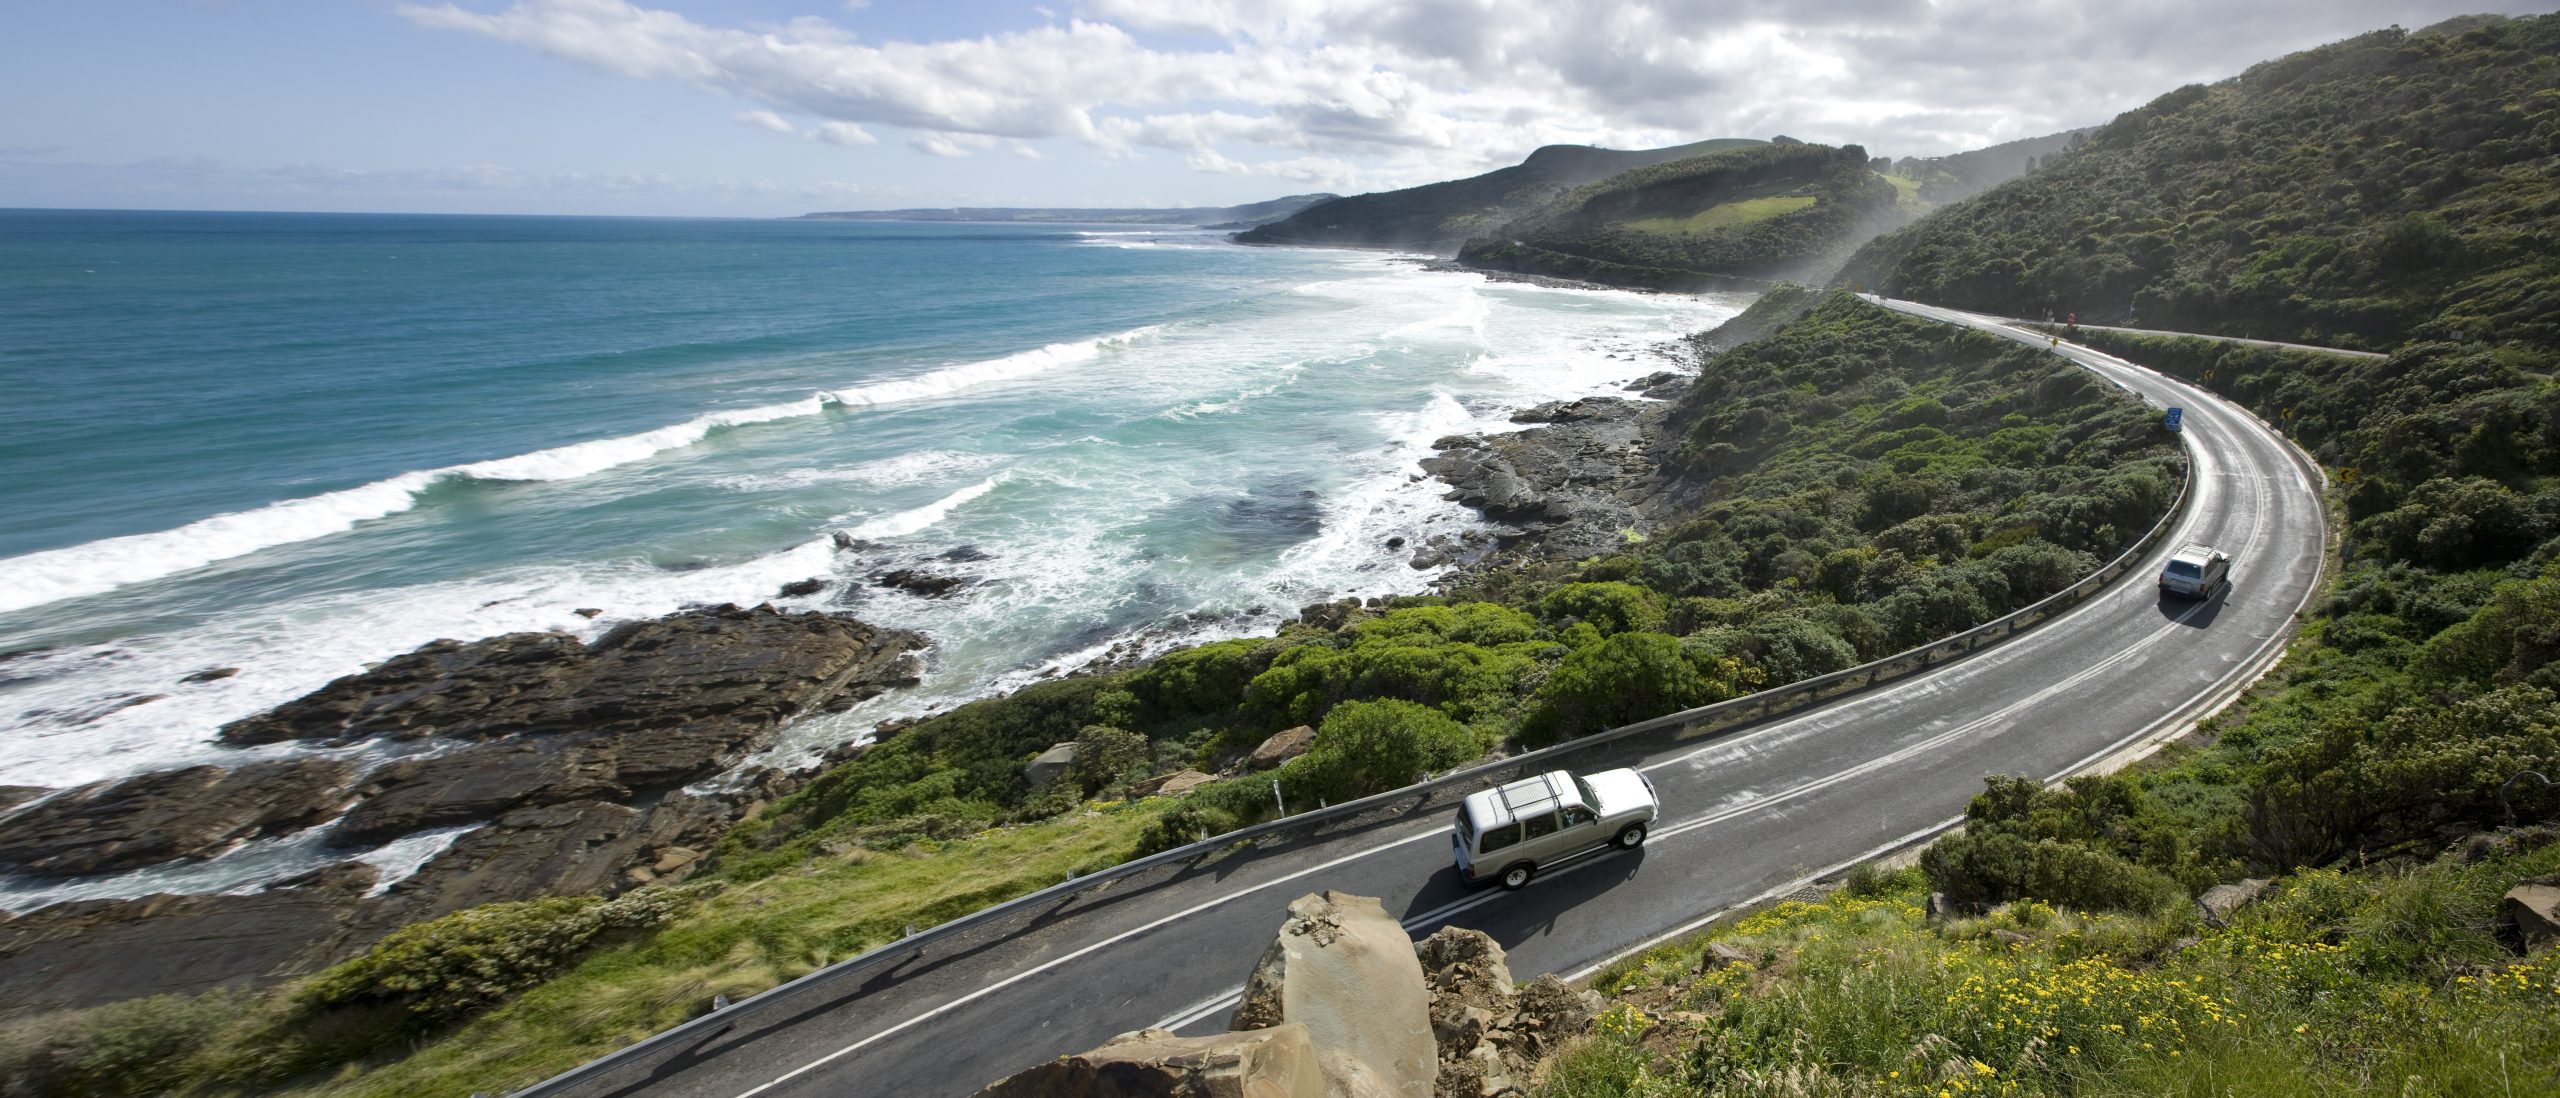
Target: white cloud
(766, 120)
(844, 133)
(1388, 92)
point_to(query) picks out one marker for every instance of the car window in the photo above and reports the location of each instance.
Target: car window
(1544, 823)
(2181, 568)
(1498, 838)
(1576, 816)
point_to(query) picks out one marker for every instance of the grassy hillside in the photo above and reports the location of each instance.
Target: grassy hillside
(1441, 215)
(2392, 187)
(1768, 212)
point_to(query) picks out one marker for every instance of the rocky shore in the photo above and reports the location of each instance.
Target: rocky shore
(1578, 484)
(567, 761)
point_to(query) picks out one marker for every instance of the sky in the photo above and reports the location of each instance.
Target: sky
(764, 108)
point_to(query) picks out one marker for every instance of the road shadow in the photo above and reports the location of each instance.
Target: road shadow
(1515, 917)
(2194, 613)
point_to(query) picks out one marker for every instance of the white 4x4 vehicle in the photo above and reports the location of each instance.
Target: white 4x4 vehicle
(2196, 571)
(1509, 832)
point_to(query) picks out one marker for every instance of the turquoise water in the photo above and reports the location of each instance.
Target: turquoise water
(293, 444)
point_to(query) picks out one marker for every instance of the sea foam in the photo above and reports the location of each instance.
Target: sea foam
(53, 575)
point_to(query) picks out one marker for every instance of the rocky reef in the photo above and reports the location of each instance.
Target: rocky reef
(567, 760)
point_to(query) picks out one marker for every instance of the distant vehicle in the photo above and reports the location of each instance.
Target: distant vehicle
(2195, 571)
(1510, 832)
(2175, 420)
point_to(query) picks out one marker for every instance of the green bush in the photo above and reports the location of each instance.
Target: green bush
(122, 1050)
(1630, 677)
(1367, 747)
(1982, 870)
(441, 971)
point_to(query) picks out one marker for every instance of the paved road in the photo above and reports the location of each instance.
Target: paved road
(1745, 812)
(2267, 343)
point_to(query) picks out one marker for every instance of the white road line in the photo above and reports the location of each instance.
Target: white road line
(1028, 973)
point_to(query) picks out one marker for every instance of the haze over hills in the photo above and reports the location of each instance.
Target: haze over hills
(1441, 216)
(1207, 217)
(2392, 186)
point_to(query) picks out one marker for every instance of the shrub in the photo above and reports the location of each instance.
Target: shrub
(1373, 746)
(1630, 677)
(1980, 870)
(1611, 608)
(446, 969)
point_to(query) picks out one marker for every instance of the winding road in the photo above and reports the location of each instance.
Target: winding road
(1747, 814)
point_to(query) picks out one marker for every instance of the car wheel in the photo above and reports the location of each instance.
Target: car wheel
(1630, 836)
(1517, 876)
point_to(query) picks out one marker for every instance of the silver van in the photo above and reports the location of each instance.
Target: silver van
(2196, 571)
(1509, 832)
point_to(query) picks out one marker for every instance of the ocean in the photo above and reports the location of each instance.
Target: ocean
(243, 454)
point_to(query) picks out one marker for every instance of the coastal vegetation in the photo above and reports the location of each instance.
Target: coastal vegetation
(2395, 187)
(1769, 211)
(1441, 215)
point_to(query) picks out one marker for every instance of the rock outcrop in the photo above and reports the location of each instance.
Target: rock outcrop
(1575, 485)
(91, 952)
(1282, 746)
(2219, 902)
(1345, 969)
(169, 815)
(1279, 1062)
(1490, 1036)
(2533, 909)
(679, 688)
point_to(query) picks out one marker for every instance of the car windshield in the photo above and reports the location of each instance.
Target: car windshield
(2182, 568)
(1588, 797)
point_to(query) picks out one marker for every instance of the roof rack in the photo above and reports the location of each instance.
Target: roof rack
(1546, 781)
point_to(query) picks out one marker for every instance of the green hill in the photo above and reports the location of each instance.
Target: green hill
(1781, 210)
(1441, 215)
(2390, 187)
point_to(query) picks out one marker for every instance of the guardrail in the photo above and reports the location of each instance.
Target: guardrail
(1687, 724)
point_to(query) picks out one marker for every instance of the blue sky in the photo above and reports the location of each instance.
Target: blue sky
(773, 107)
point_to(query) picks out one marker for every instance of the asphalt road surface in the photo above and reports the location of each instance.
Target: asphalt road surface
(1745, 813)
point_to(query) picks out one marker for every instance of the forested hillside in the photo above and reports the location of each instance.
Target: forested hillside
(1440, 215)
(2393, 187)
(1785, 210)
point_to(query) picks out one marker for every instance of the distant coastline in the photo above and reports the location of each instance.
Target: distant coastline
(1207, 217)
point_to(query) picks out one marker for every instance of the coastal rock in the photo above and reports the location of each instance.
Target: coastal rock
(90, 952)
(1575, 485)
(1281, 747)
(12, 796)
(574, 849)
(797, 589)
(729, 670)
(210, 674)
(920, 583)
(1344, 968)
(170, 815)
(476, 783)
(1279, 1062)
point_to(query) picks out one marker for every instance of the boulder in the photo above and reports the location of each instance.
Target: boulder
(170, 815)
(90, 952)
(2534, 910)
(1465, 968)
(800, 589)
(713, 675)
(210, 674)
(920, 583)
(1047, 765)
(1279, 1062)
(1345, 969)
(1725, 955)
(1170, 785)
(2219, 902)
(1281, 747)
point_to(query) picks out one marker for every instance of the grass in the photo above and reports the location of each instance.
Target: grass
(1906, 192)
(2382, 982)
(746, 938)
(1724, 215)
